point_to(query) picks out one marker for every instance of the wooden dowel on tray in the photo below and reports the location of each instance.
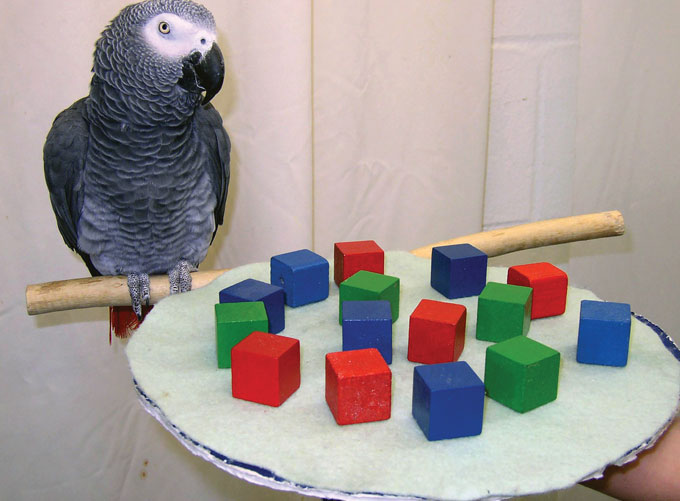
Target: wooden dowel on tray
(113, 291)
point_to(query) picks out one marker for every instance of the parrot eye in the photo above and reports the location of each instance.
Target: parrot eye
(164, 27)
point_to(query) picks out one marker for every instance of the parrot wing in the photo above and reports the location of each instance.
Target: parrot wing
(218, 147)
(64, 160)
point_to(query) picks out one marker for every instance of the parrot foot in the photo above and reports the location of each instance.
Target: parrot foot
(180, 277)
(140, 291)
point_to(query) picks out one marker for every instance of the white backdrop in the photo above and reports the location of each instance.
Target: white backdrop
(403, 121)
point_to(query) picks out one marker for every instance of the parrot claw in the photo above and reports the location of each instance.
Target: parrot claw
(180, 277)
(140, 291)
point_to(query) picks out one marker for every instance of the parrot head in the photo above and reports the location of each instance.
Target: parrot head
(164, 51)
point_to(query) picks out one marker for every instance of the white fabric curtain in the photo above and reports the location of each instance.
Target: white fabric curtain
(267, 108)
(402, 121)
(392, 80)
(346, 116)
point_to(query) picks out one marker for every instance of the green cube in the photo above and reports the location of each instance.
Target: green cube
(521, 373)
(369, 286)
(503, 312)
(234, 322)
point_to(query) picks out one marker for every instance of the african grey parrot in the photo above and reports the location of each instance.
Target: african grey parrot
(138, 170)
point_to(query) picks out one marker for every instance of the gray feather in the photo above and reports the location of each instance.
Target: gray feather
(138, 171)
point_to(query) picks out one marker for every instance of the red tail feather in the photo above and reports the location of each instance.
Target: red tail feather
(123, 320)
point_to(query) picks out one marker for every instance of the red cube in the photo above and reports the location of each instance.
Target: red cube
(265, 368)
(436, 332)
(358, 386)
(549, 284)
(350, 257)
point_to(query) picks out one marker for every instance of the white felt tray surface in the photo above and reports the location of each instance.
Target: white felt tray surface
(601, 413)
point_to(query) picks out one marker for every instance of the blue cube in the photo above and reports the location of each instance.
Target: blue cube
(448, 400)
(303, 275)
(254, 290)
(603, 333)
(367, 324)
(458, 270)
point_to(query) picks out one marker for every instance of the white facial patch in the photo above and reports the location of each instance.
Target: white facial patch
(174, 37)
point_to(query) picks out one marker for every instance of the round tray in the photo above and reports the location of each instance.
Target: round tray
(602, 415)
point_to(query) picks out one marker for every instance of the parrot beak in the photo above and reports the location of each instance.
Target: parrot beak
(203, 73)
(210, 72)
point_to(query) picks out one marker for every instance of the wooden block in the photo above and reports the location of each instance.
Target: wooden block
(304, 276)
(254, 290)
(603, 333)
(503, 311)
(265, 368)
(458, 270)
(549, 284)
(448, 400)
(436, 332)
(367, 324)
(521, 373)
(369, 286)
(350, 257)
(235, 321)
(358, 386)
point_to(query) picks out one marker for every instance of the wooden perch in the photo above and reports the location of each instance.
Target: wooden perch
(538, 234)
(113, 291)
